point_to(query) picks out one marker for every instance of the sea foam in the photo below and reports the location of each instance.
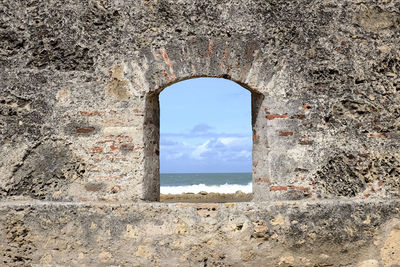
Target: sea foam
(224, 188)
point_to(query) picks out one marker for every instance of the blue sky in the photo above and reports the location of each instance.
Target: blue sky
(205, 127)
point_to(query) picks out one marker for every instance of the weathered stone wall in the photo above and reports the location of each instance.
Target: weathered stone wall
(298, 233)
(79, 122)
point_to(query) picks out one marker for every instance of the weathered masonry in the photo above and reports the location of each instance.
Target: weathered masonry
(79, 124)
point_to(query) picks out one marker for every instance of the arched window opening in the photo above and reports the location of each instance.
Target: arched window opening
(205, 141)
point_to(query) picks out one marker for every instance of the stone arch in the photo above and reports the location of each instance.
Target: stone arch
(277, 113)
(240, 62)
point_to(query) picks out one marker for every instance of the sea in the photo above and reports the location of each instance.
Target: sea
(178, 183)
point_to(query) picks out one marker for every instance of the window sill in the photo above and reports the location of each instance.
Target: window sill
(206, 198)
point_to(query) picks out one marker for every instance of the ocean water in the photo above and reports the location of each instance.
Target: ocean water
(178, 183)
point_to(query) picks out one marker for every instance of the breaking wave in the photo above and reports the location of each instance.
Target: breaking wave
(224, 188)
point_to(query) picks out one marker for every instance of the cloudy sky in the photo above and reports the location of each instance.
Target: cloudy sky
(205, 127)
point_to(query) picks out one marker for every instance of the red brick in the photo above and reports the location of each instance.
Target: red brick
(112, 147)
(93, 187)
(114, 121)
(165, 56)
(84, 130)
(285, 133)
(301, 188)
(306, 143)
(138, 111)
(97, 149)
(276, 116)
(125, 139)
(278, 188)
(92, 113)
(262, 180)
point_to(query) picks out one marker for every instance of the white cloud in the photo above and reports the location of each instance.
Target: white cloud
(232, 140)
(196, 154)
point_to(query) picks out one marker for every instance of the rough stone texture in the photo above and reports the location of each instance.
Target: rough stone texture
(298, 233)
(85, 77)
(79, 122)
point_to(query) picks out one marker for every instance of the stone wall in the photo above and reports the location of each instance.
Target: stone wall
(298, 233)
(79, 122)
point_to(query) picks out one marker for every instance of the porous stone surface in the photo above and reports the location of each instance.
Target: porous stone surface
(82, 79)
(79, 123)
(297, 233)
